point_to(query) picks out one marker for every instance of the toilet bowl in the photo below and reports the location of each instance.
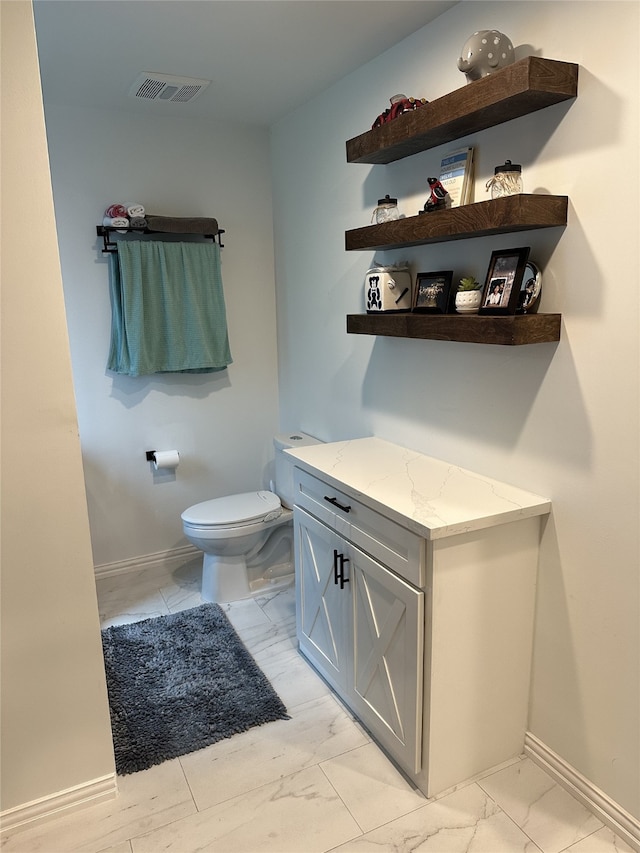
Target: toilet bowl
(247, 538)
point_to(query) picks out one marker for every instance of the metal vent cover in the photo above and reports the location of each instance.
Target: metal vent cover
(164, 87)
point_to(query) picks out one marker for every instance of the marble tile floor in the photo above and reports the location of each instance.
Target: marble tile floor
(313, 783)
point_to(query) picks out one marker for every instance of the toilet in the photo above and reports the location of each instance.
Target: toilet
(247, 538)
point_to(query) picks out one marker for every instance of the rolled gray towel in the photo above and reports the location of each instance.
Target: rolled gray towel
(138, 222)
(182, 225)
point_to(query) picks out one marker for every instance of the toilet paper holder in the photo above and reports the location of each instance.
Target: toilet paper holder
(166, 460)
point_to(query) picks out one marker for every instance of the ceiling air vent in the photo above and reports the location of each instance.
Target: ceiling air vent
(164, 87)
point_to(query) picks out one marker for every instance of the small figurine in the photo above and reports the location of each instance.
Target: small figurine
(485, 52)
(399, 104)
(438, 197)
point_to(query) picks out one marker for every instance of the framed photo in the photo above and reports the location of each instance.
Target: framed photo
(504, 277)
(432, 292)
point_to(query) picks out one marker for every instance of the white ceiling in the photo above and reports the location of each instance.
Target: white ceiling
(265, 57)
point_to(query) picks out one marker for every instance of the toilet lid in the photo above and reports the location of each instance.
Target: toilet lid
(234, 509)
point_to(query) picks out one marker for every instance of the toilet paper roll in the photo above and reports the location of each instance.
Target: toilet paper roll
(166, 460)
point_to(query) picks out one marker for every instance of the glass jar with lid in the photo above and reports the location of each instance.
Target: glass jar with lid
(386, 211)
(506, 180)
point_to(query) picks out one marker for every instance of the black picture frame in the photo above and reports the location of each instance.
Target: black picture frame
(501, 292)
(432, 293)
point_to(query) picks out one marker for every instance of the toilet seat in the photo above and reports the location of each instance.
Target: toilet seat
(233, 511)
(228, 533)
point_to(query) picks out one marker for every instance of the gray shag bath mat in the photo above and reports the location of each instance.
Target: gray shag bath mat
(179, 683)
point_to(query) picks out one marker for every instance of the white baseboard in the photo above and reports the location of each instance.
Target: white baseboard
(72, 799)
(162, 561)
(607, 810)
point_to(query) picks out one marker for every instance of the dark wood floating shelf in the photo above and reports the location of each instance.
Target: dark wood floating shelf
(496, 216)
(514, 330)
(524, 87)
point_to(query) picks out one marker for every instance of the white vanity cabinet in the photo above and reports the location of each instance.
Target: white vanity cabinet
(415, 586)
(362, 626)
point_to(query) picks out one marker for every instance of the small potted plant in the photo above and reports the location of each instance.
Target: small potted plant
(468, 296)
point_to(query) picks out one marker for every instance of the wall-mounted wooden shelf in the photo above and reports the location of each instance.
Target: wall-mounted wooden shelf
(526, 86)
(514, 330)
(484, 218)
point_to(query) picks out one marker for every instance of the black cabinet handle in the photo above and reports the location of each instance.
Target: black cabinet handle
(341, 576)
(338, 571)
(335, 503)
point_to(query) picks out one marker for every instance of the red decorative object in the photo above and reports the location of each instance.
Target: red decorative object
(399, 104)
(437, 196)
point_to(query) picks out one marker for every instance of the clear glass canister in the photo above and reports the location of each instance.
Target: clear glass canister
(506, 180)
(386, 210)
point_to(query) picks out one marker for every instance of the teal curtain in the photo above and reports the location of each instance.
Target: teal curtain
(167, 309)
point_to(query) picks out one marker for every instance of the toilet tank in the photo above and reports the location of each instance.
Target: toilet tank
(285, 464)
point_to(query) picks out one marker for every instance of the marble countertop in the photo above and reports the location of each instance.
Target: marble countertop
(429, 496)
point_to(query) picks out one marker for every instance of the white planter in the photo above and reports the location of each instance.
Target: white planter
(468, 301)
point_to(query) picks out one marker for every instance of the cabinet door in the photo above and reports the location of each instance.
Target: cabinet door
(321, 605)
(388, 646)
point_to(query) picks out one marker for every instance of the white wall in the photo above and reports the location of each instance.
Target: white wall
(222, 423)
(56, 732)
(560, 420)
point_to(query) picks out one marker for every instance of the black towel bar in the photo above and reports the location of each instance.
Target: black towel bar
(111, 245)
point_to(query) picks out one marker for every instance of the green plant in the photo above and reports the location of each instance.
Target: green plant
(469, 283)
